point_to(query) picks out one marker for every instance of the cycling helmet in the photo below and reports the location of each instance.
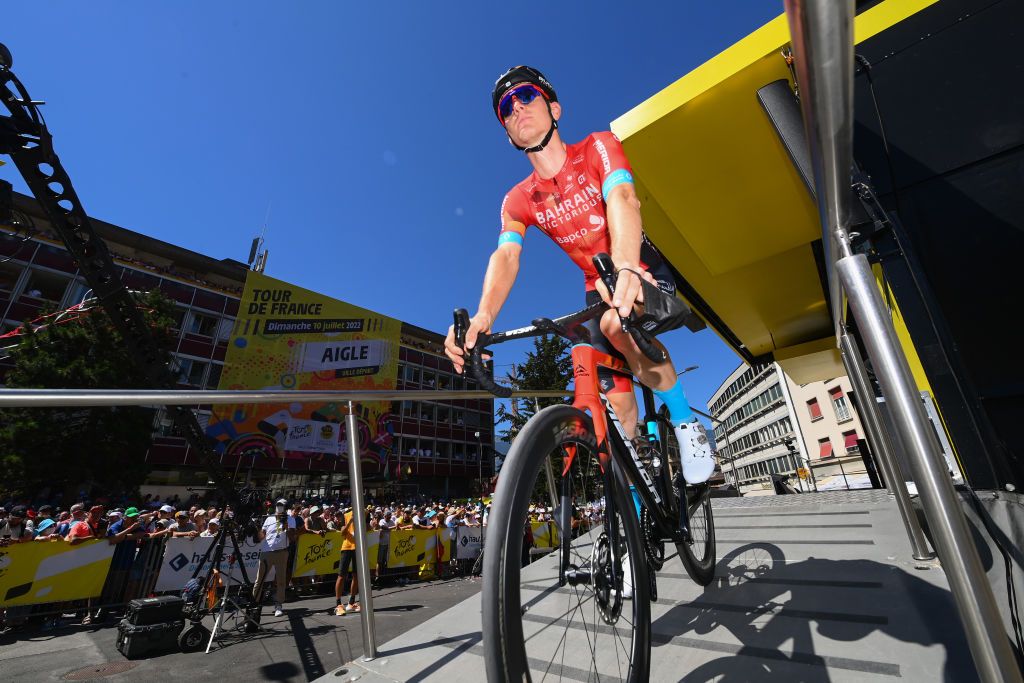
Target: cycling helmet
(512, 78)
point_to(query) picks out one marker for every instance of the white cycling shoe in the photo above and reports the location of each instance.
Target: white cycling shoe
(695, 452)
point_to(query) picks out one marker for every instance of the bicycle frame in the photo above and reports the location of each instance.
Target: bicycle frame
(589, 398)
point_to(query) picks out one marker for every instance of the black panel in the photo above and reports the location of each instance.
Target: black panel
(948, 87)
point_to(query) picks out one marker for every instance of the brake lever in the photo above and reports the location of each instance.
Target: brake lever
(606, 270)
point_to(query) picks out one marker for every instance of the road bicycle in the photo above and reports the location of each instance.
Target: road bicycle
(590, 599)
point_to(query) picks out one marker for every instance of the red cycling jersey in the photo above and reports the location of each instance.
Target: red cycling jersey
(570, 207)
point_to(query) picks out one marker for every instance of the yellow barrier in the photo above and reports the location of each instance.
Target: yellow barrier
(316, 556)
(53, 571)
(545, 534)
(412, 547)
(40, 572)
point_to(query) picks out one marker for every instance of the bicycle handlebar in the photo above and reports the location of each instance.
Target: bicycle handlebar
(475, 362)
(606, 269)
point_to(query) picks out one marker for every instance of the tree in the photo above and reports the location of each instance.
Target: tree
(547, 367)
(60, 449)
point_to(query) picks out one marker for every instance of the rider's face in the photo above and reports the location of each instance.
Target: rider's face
(529, 123)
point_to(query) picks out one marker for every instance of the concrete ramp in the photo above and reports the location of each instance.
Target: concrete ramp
(812, 587)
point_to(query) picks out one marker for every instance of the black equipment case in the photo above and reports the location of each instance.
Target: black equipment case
(139, 641)
(146, 611)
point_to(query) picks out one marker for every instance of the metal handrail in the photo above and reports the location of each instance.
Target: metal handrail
(44, 398)
(822, 35)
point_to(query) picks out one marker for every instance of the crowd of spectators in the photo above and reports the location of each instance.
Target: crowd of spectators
(153, 518)
(130, 523)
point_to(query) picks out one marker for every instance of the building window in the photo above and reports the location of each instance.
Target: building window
(839, 403)
(850, 442)
(825, 448)
(204, 325)
(412, 374)
(45, 285)
(214, 379)
(191, 371)
(814, 409)
(9, 274)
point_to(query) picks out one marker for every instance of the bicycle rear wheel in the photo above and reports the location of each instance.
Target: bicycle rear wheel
(698, 556)
(587, 628)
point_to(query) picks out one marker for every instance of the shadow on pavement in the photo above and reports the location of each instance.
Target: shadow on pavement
(843, 600)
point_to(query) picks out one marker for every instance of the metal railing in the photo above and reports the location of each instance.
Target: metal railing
(822, 37)
(44, 398)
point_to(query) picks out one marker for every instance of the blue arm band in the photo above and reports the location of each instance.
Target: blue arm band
(510, 236)
(615, 178)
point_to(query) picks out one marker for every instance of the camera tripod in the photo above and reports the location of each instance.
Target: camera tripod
(193, 637)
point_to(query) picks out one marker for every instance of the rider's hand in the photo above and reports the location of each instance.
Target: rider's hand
(481, 322)
(628, 290)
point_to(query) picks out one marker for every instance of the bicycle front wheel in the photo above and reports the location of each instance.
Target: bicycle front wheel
(595, 621)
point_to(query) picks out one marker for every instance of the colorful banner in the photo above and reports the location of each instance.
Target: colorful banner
(182, 555)
(469, 542)
(412, 547)
(287, 337)
(53, 571)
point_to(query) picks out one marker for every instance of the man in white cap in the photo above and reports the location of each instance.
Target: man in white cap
(212, 527)
(276, 535)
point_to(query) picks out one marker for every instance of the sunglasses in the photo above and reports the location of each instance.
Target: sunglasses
(525, 94)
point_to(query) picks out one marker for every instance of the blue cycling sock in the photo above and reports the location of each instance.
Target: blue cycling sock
(675, 400)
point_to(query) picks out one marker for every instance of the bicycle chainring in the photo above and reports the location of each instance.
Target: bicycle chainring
(653, 545)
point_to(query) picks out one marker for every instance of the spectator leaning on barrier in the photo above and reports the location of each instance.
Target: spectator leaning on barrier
(347, 567)
(182, 526)
(45, 525)
(315, 522)
(166, 518)
(18, 528)
(93, 526)
(199, 520)
(276, 535)
(211, 528)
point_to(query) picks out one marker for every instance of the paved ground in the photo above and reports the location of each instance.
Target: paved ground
(817, 587)
(302, 645)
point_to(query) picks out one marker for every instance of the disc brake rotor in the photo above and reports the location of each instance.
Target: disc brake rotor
(606, 593)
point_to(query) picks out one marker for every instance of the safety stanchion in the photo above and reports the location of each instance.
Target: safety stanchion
(355, 474)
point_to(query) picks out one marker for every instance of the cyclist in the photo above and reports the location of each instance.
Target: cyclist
(582, 196)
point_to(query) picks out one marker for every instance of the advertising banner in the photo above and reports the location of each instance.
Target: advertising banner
(412, 547)
(40, 572)
(545, 534)
(182, 555)
(287, 337)
(469, 542)
(316, 556)
(312, 436)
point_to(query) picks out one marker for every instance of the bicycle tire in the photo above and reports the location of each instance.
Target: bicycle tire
(504, 635)
(698, 556)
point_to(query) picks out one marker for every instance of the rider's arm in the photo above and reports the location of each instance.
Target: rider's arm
(502, 269)
(625, 225)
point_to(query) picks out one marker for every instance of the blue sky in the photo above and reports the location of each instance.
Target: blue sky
(364, 129)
